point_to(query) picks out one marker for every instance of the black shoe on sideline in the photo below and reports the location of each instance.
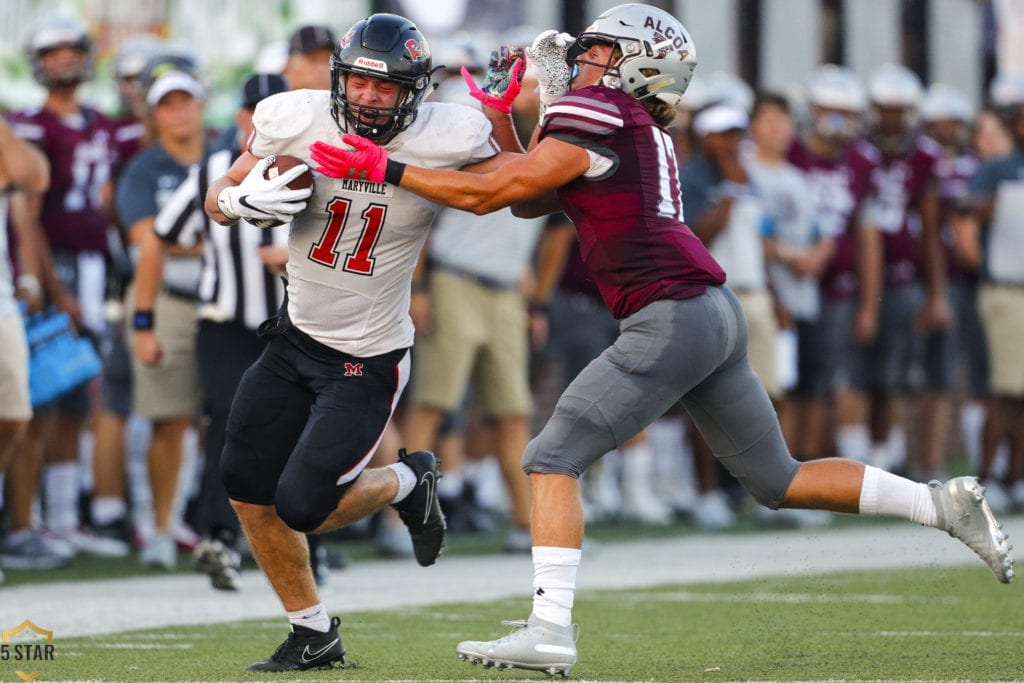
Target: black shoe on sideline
(306, 649)
(421, 509)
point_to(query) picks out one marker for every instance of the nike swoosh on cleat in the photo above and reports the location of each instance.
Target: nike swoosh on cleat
(316, 655)
(429, 483)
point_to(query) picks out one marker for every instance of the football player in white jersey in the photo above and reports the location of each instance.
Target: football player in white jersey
(310, 413)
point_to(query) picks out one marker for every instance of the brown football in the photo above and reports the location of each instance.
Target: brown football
(284, 162)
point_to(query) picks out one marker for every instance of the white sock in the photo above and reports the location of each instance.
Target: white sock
(880, 456)
(972, 422)
(314, 617)
(107, 509)
(897, 445)
(884, 493)
(853, 442)
(406, 480)
(61, 486)
(554, 583)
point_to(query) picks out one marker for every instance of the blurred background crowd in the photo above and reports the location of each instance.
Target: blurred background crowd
(854, 166)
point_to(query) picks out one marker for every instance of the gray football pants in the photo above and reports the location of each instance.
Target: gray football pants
(692, 351)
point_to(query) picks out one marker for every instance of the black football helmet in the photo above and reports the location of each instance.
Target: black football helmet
(388, 47)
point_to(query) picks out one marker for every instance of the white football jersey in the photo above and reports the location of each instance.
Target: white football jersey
(353, 250)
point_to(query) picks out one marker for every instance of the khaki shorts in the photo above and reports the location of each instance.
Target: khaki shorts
(479, 333)
(762, 348)
(171, 389)
(15, 403)
(1002, 315)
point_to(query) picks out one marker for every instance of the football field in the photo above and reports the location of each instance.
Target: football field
(863, 603)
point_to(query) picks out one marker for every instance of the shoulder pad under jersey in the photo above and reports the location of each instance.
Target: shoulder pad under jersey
(445, 135)
(283, 117)
(588, 112)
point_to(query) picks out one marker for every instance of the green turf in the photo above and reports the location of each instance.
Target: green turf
(940, 624)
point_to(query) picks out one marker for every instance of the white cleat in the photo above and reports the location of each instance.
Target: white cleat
(965, 514)
(534, 644)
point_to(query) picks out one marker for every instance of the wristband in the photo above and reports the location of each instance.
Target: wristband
(535, 306)
(393, 172)
(29, 283)
(225, 207)
(142, 320)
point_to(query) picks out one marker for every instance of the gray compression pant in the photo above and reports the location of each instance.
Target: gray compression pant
(694, 352)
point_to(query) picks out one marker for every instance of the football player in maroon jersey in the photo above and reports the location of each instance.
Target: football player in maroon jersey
(602, 155)
(79, 143)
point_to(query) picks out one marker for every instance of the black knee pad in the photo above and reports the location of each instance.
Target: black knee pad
(241, 483)
(299, 516)
(305, 500)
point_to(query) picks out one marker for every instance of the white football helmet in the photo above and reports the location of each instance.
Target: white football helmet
(942, 102)
(894, 85)
(129, 62)
(1006, 90)
(55, 32)
(836, 87)
(658, 55)
(134, 53)
(725, 86)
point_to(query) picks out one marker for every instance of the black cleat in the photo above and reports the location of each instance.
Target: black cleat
(306, 649)
(421, 510)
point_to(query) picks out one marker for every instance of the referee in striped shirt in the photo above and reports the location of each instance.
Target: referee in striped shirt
(240, 287)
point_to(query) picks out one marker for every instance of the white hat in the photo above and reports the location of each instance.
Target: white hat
(719, 118)
(171, 81)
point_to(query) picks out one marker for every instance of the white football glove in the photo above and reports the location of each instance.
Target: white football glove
(545, 61)
(259, 200)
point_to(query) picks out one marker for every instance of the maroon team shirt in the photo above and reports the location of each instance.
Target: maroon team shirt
(838, 188)
(953, 175)
(631, 233)
(899, 183)
(82, 152)
(129, 139)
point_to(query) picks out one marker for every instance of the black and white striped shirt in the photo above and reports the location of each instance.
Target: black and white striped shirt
(235, 285)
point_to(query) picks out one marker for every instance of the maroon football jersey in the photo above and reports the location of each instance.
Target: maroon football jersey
(953, 174)
(630, 219)
(81, 151)
(839, 188)
(129, 139)
(899, 181)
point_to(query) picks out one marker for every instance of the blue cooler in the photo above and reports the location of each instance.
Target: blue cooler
(59, 360)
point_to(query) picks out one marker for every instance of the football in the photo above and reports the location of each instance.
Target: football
(284, 162)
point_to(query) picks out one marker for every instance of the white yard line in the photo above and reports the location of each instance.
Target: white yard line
(109, 606)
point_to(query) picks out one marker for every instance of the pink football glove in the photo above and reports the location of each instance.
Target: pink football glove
(369, 161)
(503, 80)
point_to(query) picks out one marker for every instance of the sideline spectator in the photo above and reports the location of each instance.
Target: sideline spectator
(24, 170)
(240, 287)
(164, 368)
(996, 198)
(796, 256)
(74, 213)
